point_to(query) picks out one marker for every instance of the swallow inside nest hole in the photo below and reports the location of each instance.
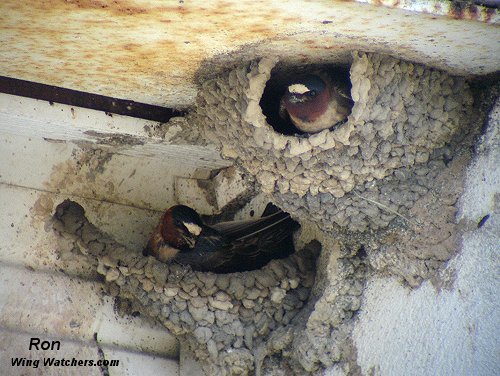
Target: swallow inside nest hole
(307, 100)
(183, 238)
(224, 247)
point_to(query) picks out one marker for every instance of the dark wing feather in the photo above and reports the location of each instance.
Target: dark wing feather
(210, 240)
(255, 242)
(239, 230)
(236, 246)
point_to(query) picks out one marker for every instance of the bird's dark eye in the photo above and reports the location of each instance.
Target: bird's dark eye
(311, 93)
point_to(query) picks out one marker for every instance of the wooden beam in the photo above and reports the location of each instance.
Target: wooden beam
(156, 52)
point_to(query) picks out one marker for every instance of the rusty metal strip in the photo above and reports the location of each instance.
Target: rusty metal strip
(70, 97)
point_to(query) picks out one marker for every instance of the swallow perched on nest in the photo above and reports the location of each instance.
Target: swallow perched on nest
(313, 103)
(225, 247)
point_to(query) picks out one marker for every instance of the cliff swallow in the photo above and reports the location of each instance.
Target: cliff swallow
(226, 247)
(313, 103)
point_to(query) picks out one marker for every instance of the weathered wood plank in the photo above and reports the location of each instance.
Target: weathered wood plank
(152, 51)
(58, 149)
(131, 363)
(40, 302)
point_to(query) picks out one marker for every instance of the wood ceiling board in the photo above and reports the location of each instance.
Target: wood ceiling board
(152, 51)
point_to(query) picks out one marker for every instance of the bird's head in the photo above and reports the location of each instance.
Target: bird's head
(307, 97)
(177, 231)
(181, 227)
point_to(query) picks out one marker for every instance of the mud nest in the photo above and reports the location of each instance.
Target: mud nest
(380, 190)
(397, 162)
(376, 194)
(402, 113)
(233, 323)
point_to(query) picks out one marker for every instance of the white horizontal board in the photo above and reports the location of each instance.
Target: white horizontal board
(43, 149)
(66, 308)
(50, 153)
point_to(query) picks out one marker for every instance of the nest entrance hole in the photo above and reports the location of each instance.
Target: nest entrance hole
(276, 86)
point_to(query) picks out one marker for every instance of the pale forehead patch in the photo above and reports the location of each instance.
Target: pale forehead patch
(298, 89)
(193, 228)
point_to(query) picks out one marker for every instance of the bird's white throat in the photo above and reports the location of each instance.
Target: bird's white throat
(298, 89)
(193, 228)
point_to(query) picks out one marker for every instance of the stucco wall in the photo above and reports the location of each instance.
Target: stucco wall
(451, 328)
